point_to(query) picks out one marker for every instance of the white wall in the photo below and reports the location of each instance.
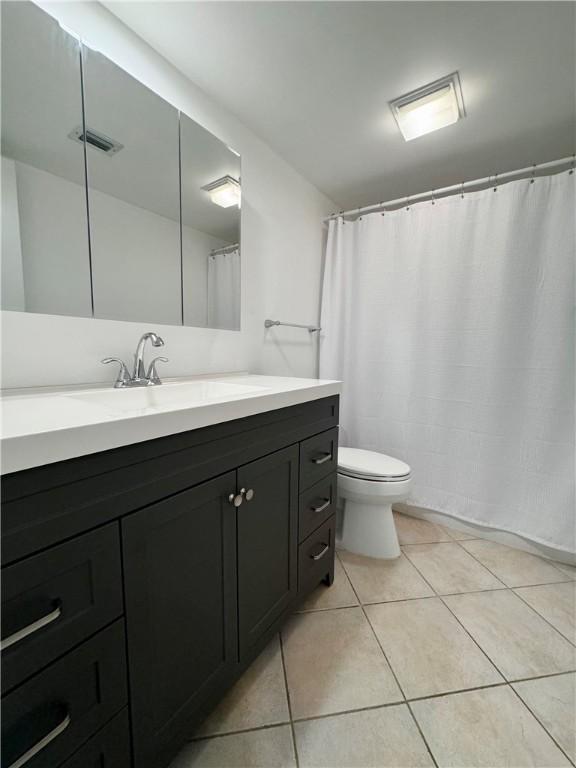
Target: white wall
(135, 253)
(281, 252)
(135, 262)
(54, 238)
(12, 272)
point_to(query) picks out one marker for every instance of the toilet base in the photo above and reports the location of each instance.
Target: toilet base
(369, 530)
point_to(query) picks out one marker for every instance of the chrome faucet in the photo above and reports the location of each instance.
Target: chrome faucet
(139, 370)
(140, 376)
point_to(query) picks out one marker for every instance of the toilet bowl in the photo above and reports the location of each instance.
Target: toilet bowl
(368, 484)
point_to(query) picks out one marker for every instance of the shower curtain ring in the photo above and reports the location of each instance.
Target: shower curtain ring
(532, 175)
(462, 190)
(407, 202)
(571, 171)
(433, 198)
(383, 212)
(495, 182)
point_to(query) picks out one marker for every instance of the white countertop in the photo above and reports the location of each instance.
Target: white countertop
(42, 426)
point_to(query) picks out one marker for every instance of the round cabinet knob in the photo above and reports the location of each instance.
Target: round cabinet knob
(249, 494)
(235, 499)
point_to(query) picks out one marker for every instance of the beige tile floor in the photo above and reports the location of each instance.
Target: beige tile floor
(460, 653)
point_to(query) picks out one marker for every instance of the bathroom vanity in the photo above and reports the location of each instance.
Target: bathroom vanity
(153, 542)
(154, 538)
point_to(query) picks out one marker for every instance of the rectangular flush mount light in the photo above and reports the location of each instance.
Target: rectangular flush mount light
(426, 109)
(224, 192)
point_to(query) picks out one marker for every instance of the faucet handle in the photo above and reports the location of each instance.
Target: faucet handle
(152, 374)
(123, 377)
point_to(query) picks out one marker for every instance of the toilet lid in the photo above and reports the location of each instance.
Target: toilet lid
(356, 462)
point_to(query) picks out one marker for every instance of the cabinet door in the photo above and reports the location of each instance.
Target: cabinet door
(180, 582)
(267, 542)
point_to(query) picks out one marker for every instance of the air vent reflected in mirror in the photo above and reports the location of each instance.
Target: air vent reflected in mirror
(97, 140)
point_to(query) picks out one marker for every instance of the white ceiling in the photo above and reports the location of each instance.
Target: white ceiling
(313, 79)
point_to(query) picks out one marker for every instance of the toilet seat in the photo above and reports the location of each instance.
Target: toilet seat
(371, 466)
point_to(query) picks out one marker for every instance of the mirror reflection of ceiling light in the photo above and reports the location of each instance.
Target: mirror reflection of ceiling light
(426, 109)
(224, 192)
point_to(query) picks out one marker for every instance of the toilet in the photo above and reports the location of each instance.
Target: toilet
(368, 484)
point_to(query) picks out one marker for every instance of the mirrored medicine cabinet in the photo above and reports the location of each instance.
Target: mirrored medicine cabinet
(115, 205)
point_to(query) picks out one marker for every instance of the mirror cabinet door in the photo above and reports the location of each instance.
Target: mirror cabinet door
(114, 205)
(133, 193)
(210, 180)
(45, 247)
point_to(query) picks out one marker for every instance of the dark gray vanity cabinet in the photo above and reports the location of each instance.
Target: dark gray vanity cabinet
(181, 615)
(267, 543)
(139, 583)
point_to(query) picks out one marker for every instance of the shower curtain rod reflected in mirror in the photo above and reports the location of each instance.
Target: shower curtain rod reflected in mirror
(433, 194)
(225, 249)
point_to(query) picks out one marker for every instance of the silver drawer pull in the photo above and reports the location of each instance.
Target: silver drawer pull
(39, 746)
(321, 554)
(322, 507)
(31, 628)
(323, 459)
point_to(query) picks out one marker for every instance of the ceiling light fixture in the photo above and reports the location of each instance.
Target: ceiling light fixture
(224, 192)
(426, 109)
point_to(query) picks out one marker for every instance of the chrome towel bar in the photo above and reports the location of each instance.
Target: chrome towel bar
(309, 328)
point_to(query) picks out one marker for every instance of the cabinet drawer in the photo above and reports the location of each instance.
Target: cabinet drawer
(316, 557)
(318, 457)
(109, 748)
(316, 505)
(49, 717)
(54, 600)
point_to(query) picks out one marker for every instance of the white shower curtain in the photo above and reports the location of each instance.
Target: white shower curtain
(451, 325)
(224, 290)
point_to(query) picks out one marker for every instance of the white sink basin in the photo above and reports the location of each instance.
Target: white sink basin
(165, 396)
(55, 424)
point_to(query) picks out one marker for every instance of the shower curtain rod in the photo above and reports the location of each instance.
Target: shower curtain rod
(495, 179)
(224, 249)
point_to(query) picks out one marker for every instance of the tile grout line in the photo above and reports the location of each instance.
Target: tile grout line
(407, 701)
(513, 590)
(437, 595)
(238, 731)
(565, 580)
(553, 563)
(441, 598)
(424, 597)
(542, 677)
(527, 586)
(463, 548)
(415, 699)
(496, 589)
(535, 716)
(394, 675)
(421, 732)
(288, 701)
(361, 606)
(507, 682)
